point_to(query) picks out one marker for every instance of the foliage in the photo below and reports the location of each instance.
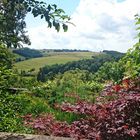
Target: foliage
(10, 120)
(132, 58)
(7, 78)
(128, 66)
(132, 62)
(13, 106)
(93, 86)
(113, 119)
(72, 103)
(116, 55)
(137, 18)
(12, 19)
(110, 72)
(76, 82)
(86, 113)
(28, 53)
(5, 57)
(91, 65)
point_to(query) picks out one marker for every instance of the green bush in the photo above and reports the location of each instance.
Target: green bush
(110, 72)
(77, 83)
(14, 106)
(131, 61)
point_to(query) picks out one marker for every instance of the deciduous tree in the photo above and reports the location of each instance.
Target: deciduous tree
(12, 19)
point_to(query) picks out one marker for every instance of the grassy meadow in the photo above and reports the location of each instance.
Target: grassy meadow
(52, 58)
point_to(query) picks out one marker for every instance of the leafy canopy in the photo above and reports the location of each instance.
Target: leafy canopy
(132, 58)
(12, 19)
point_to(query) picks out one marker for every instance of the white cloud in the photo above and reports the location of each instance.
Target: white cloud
(100, 24)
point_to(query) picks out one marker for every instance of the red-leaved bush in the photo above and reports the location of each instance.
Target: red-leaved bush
(114, 116)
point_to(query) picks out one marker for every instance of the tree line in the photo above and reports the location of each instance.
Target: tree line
(91, 65)
(27, 53)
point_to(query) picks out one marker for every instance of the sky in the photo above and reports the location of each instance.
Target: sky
(99, 25)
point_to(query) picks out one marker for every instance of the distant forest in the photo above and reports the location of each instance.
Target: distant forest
(28, 53)
(66, 50)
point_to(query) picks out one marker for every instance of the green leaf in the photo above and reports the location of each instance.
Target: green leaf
(57, 27)
(61, 10)
(54, 5)
(47, 18)
(42, 16)
(64, 17)
(35, 12)
(46, 14)
(49, 7)
(29, 9)
(138, 22)
(139, 35)
(49, 24)
(42, 2)
(54, 23)
(65, 27)
(138, 28)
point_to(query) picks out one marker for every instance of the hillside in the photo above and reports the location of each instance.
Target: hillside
(52, 58)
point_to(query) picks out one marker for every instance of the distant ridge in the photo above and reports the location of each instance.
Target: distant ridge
(65, 50)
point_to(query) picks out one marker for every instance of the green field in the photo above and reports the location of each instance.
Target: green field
(54, 58)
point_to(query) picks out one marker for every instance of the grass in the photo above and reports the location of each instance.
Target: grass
(53, 58)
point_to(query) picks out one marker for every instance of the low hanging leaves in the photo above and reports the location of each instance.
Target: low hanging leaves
(49, 24)
(29, 9)
(57, 27)
(17, 11)
(65, 27)
(42, 16)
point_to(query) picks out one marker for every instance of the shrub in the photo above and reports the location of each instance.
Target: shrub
(118, 118)
(13, 106)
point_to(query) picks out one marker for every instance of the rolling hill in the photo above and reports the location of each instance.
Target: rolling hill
(52, 58)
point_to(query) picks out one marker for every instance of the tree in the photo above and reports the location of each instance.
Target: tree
(12, 19)
(131, 61)
(7, 77)
(5, 57)
(137, 18)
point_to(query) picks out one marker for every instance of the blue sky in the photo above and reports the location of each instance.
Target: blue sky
(100, 24)
(120, 0)
(68, 5)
